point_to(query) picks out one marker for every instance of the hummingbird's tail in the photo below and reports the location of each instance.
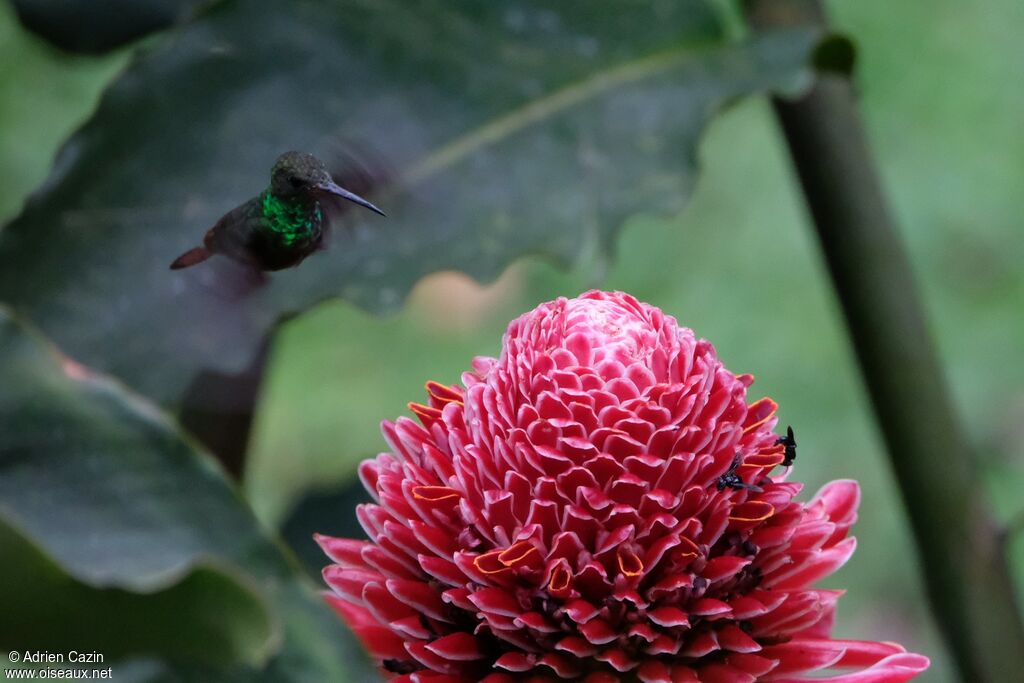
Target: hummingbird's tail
(191, 258)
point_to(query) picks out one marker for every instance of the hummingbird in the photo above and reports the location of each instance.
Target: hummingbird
(282, 225)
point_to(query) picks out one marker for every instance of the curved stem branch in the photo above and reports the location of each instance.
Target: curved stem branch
(218, 409)
(965, 571)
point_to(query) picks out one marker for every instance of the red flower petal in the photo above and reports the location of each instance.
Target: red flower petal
(459, 647)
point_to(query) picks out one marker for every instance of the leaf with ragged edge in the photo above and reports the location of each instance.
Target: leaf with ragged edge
(101, 25)
(117, 535)
(487, 130)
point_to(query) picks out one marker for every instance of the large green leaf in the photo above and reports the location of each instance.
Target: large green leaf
(117, 535)
(488, 129)
(312, 653)
(208, 616)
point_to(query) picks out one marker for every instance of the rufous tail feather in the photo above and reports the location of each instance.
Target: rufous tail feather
(191, 258)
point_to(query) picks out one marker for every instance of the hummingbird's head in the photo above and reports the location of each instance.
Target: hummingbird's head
(298, 173)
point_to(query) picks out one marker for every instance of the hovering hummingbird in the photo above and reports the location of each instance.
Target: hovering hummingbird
(281, 226)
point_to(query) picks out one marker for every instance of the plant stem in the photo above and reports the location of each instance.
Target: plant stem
(218, 409)
(965, 570)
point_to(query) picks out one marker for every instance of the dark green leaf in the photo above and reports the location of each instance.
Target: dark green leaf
(101, 25)
(207, 616)
(312, 653)
(104, 483)
(487, 130)
(117, 535)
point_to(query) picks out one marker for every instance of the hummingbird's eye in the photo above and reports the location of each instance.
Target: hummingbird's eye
(295, 181)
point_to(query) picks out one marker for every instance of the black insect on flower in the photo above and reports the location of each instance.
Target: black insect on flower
(789, 441)
(399, 666)
(733, 480)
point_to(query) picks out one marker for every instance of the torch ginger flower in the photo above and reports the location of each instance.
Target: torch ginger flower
(598, 504)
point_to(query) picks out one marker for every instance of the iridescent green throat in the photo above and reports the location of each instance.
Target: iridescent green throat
(293, 220)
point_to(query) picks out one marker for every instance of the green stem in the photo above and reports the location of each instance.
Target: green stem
(218, 409)
(958, 543)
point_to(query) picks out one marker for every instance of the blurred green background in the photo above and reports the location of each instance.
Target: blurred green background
(941, 96)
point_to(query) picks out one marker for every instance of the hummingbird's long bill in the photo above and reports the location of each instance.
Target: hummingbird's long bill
(340, 191)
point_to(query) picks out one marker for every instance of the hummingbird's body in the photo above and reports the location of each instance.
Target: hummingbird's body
(268, 232)
(280, 227)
